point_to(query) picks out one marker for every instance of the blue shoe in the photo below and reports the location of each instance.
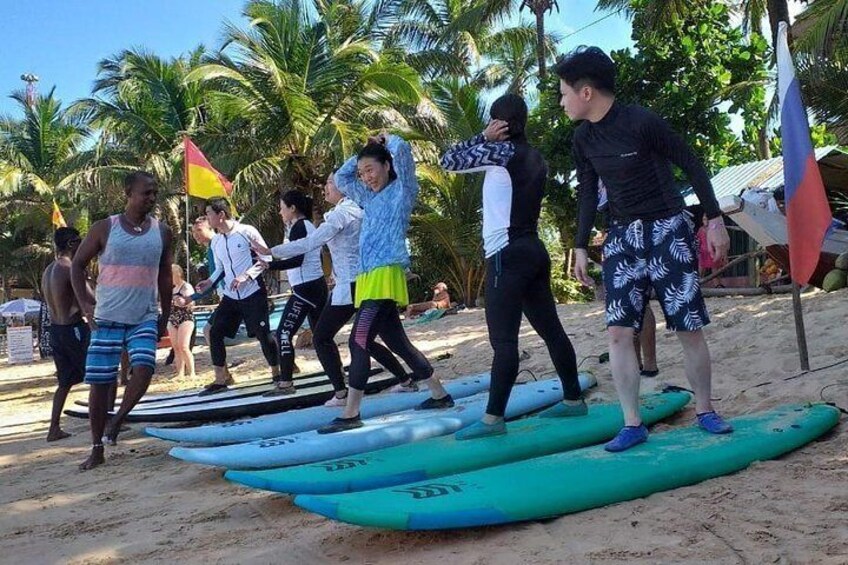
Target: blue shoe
(563, 410)
(628, 436)
(481, 429)
(714, 423)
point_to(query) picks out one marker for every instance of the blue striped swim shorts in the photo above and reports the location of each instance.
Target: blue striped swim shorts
(110, 339)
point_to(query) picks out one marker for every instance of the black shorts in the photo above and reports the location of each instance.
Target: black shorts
(661, 254)
(70, 344)
(230, 313)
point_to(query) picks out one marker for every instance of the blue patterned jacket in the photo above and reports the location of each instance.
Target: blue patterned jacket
(382, 240)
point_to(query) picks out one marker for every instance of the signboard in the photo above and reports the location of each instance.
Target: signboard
(20, 344)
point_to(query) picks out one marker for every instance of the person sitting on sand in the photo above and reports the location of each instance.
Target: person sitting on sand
(441, 301)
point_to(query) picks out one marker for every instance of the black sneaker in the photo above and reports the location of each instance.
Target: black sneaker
(436, 403)
(213, 388)
(341, 424)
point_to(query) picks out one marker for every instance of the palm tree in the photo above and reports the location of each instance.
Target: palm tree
(824, 82)
(143, 106)
(447, 36)
(40, 159)
(822, 27)
(446, 228)
(39, 154)
(512, 59)
(297, 90)
(539, 9)
(658, 11)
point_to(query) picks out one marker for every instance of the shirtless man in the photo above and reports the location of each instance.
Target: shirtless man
(441, 301)
(68, 332)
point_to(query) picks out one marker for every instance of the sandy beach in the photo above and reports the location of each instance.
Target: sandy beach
(143, 506)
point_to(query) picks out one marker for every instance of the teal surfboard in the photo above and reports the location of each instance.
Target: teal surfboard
(578, 480)
(528, 438)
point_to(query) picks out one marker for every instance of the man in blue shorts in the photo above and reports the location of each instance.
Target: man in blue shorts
(650, 241)
(135, 257)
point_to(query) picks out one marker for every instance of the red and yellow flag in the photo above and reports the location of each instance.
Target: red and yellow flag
(202, 180)
(58, 218)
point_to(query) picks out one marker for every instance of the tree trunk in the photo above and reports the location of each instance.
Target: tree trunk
(778, 11)
(540, 42)
(763, 149)
(170, 209)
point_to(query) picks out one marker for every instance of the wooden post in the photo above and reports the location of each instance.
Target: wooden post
(800, 332)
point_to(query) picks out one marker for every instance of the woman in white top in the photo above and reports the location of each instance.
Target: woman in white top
(306, 277)
(340, 232)
(181, 325)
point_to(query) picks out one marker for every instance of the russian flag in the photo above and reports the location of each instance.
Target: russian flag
(808, 213)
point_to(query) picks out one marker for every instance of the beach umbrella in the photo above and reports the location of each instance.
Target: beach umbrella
(20, 307)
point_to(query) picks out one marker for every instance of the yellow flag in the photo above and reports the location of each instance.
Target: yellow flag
(58, 218)
(202, 180)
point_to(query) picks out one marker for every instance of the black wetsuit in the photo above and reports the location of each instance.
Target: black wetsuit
(518, 274)
(631, 149)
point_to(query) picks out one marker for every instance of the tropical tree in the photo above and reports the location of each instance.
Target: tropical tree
(143, 106)
(41, 156)
(539, 9)
(447, 36)
(823, 26)
(511, 59)
(294, 92)
(446, 228)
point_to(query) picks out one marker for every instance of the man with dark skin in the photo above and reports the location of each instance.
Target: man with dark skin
(135, 257)
(68, 332)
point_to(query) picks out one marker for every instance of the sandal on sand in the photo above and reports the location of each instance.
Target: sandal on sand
(212, 388)
(282, 389)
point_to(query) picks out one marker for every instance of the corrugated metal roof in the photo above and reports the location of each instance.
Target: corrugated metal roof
(767, 174)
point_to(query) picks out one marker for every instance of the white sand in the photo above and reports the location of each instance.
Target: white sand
(143, 506)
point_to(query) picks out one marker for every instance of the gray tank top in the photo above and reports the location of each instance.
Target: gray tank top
(128, 281)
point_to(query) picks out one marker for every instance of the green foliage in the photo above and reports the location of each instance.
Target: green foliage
(688, 69)
(446, 228)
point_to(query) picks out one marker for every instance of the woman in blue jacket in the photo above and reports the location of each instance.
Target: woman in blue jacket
(381, 180)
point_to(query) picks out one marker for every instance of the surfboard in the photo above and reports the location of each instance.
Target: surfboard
(274, 425)
(229, 409)
(578, 480)
(377, 433)
(525, 439)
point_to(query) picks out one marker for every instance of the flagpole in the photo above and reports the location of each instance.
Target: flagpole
(185, 184)
(808, 214)
(800, 331)
(188, 252)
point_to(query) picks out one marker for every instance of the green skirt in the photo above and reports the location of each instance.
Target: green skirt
(382, 283)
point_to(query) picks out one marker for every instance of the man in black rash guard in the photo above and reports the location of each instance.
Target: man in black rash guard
(518, 273)
(650, 242)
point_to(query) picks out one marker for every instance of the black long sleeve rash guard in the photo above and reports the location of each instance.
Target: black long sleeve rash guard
(631, 149)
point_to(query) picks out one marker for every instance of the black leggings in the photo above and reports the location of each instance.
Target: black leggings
(323, 339)
(307, 301)
(518, 280)
(227, 318)
(380, 317)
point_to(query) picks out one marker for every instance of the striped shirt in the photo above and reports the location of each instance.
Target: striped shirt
(128, 281)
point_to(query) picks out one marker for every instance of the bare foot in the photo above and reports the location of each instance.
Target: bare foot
(94, 460)
(57, 434)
